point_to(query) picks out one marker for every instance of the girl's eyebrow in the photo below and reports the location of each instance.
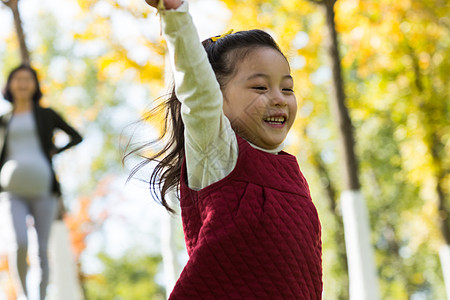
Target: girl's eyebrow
(267, 76)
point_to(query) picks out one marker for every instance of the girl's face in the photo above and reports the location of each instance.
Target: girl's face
(259, 99)
(22, 86)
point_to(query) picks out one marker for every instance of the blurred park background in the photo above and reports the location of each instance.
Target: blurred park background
(102, 66)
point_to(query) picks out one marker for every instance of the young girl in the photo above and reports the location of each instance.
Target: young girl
(251, 229)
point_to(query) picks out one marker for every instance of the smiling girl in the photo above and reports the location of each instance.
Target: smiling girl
(251, 229)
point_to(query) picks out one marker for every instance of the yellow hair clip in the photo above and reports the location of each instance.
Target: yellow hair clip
(215, 38)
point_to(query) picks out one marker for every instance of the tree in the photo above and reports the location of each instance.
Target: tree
(14, 6)
(394, 57)
(363, 278)
(130, 277)
(380, 90)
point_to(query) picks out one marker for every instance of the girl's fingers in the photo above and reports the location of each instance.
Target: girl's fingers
(172, 4)
(153, 3)
(169, 4)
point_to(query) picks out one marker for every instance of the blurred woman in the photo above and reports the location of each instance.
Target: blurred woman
(27, 181)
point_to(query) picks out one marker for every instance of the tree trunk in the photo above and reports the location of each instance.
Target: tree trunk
(339, 236)
(444, 253)
(13, 5)
(339, 109)
(170, 225)
(361, 263)
(434, 144)
(63, 267)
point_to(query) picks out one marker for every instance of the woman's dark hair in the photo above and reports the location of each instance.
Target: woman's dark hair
(224, 56)
(7, 90)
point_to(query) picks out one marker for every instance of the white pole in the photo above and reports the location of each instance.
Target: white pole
(361, 266)
(62, 265)
(444, 253)
(170, 225)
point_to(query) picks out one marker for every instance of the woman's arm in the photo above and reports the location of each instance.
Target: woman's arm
(75, 137)
(210, 142)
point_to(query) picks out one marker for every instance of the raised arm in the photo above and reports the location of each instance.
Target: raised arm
(210, 143)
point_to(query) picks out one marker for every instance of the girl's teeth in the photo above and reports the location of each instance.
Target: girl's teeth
(275, 119)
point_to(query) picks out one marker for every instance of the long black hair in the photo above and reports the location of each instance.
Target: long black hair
(224, 56)
(7, 90)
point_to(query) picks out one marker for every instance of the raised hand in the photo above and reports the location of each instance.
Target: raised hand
(168, 4)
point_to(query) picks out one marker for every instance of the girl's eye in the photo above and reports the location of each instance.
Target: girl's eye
(260, 88)
(288, 90)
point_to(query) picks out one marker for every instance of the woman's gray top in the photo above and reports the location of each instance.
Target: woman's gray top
(26, 171)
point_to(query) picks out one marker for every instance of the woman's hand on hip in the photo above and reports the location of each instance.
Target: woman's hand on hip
(168, 4)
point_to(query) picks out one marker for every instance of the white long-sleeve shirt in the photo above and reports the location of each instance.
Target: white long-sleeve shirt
(211, 148)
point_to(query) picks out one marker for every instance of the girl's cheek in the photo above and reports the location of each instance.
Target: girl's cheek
(259, 102)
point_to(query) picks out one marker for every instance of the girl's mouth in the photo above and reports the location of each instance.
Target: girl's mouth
(275, 120)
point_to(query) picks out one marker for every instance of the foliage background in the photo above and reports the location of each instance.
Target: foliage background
(104, 68)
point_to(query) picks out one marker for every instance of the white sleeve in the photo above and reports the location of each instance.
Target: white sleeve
(210, 142)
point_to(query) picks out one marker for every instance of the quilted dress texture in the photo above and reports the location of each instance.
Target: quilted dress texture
(253, 235)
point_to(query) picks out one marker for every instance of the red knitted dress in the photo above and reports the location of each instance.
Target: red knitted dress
(253, 235)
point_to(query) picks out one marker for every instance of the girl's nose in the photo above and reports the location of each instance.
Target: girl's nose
(278, 99)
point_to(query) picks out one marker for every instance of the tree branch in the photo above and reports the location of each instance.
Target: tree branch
(10, 3)
(14, 6)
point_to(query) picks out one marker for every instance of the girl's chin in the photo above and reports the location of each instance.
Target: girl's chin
(268, 141)
(269, 144)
